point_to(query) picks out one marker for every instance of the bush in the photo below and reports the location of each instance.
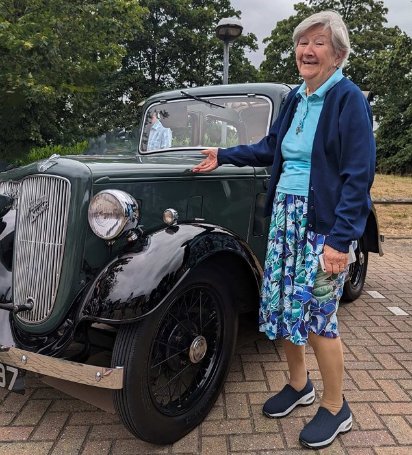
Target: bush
(41, 153)
(400, 163)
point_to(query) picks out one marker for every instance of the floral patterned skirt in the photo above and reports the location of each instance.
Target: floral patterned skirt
(297, 296)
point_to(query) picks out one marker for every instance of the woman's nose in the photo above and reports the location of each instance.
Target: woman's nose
(308, 49)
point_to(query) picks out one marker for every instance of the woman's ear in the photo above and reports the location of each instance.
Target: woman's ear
(339, 59)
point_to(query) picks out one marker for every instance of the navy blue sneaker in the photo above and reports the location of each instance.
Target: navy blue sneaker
(322, 430)
(284, 402)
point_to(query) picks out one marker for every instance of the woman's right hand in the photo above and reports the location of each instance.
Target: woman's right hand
(209, 163)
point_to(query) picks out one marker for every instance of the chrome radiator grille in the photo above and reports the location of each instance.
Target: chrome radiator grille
(43, 208)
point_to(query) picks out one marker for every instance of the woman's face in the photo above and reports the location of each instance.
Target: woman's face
(315, 57)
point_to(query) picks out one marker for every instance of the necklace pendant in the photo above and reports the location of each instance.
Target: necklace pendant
(298, 129)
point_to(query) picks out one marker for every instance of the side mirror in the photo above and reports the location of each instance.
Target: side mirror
(6, 204)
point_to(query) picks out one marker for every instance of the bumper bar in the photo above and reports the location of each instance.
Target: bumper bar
(107, 378)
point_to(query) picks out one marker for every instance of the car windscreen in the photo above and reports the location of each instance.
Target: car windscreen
(204, 122)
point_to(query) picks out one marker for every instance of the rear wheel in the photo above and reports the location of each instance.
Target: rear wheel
(176, 359)
(357, 274)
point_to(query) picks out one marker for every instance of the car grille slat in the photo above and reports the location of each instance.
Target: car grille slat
(42, 217)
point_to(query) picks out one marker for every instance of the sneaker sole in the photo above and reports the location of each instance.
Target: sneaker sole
(343, 428)
(306, 400)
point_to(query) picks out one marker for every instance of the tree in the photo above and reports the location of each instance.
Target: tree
(392, 84)
(279, 64)
(59, 59)
(178, 48)
(365, 20)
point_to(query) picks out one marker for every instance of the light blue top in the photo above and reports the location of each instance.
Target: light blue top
(159, 137)
(298, 142)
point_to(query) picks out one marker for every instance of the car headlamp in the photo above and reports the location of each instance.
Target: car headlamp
(112, 212)
(170, 217)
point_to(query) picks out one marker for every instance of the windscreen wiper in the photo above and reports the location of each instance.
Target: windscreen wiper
(194, 97)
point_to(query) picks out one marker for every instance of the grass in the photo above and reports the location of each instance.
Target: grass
(394, 220)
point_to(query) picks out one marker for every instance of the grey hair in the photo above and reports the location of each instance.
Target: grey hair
(330, 20)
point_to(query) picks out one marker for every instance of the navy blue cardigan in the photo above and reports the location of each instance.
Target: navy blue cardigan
(342, 166)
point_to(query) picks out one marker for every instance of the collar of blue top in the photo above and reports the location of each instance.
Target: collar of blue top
(322, 90)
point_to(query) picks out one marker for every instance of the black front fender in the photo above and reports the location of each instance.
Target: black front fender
(136, 283)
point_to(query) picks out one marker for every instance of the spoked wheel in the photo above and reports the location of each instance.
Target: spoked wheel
(176, 359)
(357, 274)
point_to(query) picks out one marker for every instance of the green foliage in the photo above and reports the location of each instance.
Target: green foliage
(392, 85)
(75, 69)
(280, 64)
(59, 58)
(178, 48)
(41, 153)
(365, 20)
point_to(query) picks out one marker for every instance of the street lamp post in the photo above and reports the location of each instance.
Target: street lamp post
(228, 29)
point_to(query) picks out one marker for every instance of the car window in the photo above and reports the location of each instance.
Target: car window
(188, 124)
(208, 122)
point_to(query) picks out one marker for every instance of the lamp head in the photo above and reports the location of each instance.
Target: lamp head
(229, 29)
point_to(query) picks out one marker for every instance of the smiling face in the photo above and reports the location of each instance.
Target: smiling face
(315, 57)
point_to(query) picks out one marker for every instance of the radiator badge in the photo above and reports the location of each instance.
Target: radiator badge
(37, 207)
(48, 163)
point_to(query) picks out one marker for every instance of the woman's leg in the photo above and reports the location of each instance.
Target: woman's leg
(295, 356)
(299, 391)
(329, 354)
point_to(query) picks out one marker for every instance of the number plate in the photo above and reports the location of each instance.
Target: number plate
(11, 378)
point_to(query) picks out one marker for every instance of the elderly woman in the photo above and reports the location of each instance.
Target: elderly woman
(322, 152)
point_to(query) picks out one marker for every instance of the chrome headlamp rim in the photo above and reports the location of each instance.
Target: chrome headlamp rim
(128, 207)
(170, 216)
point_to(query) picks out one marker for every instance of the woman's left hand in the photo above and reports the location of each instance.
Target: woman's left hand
(335, 261)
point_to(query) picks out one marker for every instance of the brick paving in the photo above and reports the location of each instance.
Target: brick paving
(378, 385)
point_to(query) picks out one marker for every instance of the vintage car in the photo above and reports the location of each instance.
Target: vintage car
(124, 251)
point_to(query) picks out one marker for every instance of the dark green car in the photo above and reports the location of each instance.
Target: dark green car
(124, 251)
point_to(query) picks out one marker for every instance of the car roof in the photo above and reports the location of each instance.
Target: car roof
(270, 89)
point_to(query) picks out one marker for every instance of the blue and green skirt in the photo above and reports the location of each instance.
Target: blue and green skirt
(297, 297)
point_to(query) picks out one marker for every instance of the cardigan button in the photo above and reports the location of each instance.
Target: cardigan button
(312, 207)
(311, 188)
(310, 225)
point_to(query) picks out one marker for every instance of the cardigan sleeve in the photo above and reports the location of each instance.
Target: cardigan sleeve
(356, 170)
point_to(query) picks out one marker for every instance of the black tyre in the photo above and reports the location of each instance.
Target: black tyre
(176, 359)
(357, 274)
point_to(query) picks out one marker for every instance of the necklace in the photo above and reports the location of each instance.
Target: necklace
(303, 113)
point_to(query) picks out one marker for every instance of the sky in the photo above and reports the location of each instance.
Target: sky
(260, 17)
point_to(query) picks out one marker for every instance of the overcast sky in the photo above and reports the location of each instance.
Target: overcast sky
(260, 17)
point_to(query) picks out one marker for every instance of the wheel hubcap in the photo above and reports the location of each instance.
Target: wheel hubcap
(361, 258)
(198, 349)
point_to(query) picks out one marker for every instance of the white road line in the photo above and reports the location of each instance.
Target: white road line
(397, 311)
(376, 294)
